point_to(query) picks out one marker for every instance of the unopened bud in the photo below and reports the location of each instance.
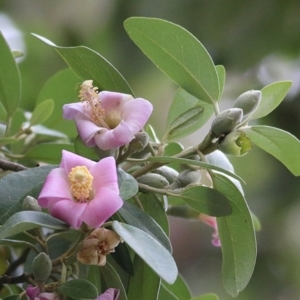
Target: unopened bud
(30, 203)
(139, 142)
(153, 180)
(248, 102)
(185, 178)
(226, 121)
(235, 143)
(41, 267)
(169, 173)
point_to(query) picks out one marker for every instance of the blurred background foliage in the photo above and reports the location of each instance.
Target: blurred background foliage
(257, 42)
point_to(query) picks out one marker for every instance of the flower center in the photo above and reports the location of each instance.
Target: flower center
(81, 181)
(89, 95)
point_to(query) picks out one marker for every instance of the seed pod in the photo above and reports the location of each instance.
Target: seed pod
(169, 173)
(226, 121)
(30, 203)
(248, 102)
(235, 143)
(153, 180)
(41, 267)
(187, 177)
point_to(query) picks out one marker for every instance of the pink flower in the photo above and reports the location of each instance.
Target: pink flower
(110, 294)
(212, 222)
(81, 190)
(108, 119)
(34, 294)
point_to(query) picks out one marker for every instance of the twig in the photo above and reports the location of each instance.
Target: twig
(11, 166)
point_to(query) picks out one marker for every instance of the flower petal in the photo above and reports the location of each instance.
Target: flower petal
(136, 113)
(110, 294)
(119, 136)
(68, 211)
(105, 174)
(105, 203)
(72, 109)
(111, 101)
(70, 160)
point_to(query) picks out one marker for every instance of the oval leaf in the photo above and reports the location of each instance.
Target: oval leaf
(149, 249)
(178, 288)
(127, 184)
(10, 81)
(26, 220)
(78, 288)
(206, 200)
(42, 112)
(237, 238)
(178, 54)
(279, 143)
(272, 95)
(221, 77)
(88, 64)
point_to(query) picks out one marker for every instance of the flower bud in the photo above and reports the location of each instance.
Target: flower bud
(226, 121)
(235, 143)
(169, 173)
(187, 177)
(248, 102)
(153, 180)
(140, 141)
(30, 203)
(41, 267)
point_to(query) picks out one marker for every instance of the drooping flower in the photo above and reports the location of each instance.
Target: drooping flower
(81, 190)
(107, 119)
(109, 294)
(34, 294)
(97, 245)
(212, 222)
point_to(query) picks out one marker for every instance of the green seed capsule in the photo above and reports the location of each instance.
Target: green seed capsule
(30, 203)
(226, 121)
(169, 173)
(248, 102)
(153, 180)
(41, 267)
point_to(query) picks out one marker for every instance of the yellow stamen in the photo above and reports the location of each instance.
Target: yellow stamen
(81, 181)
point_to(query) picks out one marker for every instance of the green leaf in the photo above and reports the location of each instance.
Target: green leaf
(145, 283)
(113, 280)
(10, 81)
(138, 218)
(48, 152)
(122, 258)
(272, 95)
(185, 124)
(94, 276)
(17, 54)
(206, 297)
(62, 89)
(171, 149)
(88, 64)
(42, 112)
(127, 184)
(26, 220)
(185, 161)
(82, 150)
(206, 200)
(279, 143)
(18, 243)
(149, 249)
(178, 288)
(165, 294)
(78, 288)
(178, 54)
(16, 186)
(237, 238)
(221, 77)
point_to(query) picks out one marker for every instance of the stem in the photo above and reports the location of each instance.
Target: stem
(216, 107)
(11, 166)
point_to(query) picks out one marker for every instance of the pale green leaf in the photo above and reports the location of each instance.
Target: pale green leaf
(127, 184)
(42, 112)
(221, 77)
(177, 53)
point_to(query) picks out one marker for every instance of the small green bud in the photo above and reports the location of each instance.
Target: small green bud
(169, 173)
(30, 203)
(235, 143)
(139, 143)
(226, 121)
(41, 267)
(105, 153)
(153, 180)
(187, 177)
(248, 102)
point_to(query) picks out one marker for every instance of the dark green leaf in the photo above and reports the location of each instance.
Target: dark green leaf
(144, 284)
(18, 243)
(82, 150)
(138, 218)
(94, 276)
(16, 186)
(178, 288)
(127, 184)
(48, 152)
(42, 112)
(272, 95)
(165, 294)
(206, 297)
(178, 54)
(26, 220)
(206, 200)
(279, 143)
(10, 81)
(78, 288)
(237, 238)
(151, 251)
(88, 64)
(123, 259)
